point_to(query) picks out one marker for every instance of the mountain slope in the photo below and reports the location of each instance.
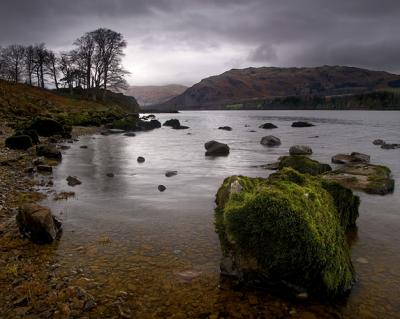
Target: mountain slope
(266, 83)
(148, 95)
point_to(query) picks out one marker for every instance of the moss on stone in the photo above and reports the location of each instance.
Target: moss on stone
(284, 229)
(304, 164)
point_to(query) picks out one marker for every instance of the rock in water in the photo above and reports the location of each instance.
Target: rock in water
(214, 148)
(140, 159)
(270, 140)
(302, 124)
(48, 151)
(378, 142)
(303, 164)
(286, 229)
(19, 142)
(268, 126)
(161, 188)
(37, 223)
(172, 123)
(171, 173)
(386, 146)
(372, 179)
(352, 158)
(73, 181)
(225, 128)
(300, 150)
(130, 134)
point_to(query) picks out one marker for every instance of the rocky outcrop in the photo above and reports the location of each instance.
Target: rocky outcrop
(300, 150)
(287, 230)
(214, 148)
(37, 223)
(270, 140)
(372, 179)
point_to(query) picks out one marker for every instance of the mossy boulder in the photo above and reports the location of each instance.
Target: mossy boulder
(19, 142)
(48, 127)
(134, 123)
(369, 178)
(31, 133)
(285, 230)
(303, 164)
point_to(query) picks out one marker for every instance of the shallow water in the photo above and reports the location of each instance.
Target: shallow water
(160, 249)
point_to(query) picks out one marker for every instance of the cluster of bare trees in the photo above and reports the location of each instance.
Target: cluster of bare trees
(94, 64)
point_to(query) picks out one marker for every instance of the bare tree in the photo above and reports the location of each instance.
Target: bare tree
(84, 55)
(40, 60)
(51, 65)
(29, 60)
(13, 57)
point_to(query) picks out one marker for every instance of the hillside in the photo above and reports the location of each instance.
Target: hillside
(20, 101)
(260, 86)
(149, 95)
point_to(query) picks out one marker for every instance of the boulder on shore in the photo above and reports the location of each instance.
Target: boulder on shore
(19, 142)
(302, 124)
(49, 127)
(270, 140)
(48, 151)
(214, 148)
(287, 230)
(300, 150)
(268, 126)
(372, 179)
(37, 223)
(303, 164)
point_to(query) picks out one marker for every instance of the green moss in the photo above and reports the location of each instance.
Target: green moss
(285, 228)
(126, 123)
(303, 164)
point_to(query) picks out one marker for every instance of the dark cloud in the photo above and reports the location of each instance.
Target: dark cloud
(185, 40)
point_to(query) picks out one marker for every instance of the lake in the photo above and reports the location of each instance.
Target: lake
(156, 255)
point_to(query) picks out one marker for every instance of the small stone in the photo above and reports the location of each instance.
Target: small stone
(362, 260)
(225, 128)
(73, 181)
(268, 126)
(270, 140)
(140, 159)
(90, 304)
(378, 142)
(130, 134)
(302, 296)
(300, 150)
(84, 146)
(161, 188)
(110, 174)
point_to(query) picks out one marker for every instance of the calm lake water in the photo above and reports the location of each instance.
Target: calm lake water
(156, 255)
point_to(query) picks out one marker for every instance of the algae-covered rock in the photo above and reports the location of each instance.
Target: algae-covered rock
(303, 164)
(372, 179)
(284, 230)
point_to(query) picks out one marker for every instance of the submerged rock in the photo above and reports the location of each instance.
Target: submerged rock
(19, 142)
(287, 230)
(351, 158)
(37, 223)
(73, 181)
(372, 179)
(270, 140)
(386, 146)
(268, 126)
(140, 159)
(214, 148)
(303, 164)
(302, 124)
(300, 150)
(378, 142)
(48, 151)
(171, 173)
(161, 188)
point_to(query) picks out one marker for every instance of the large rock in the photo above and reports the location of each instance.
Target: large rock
(286, 230)
(300, 150)
(214, 148)
(372, 179)
(351, 158)
(37, 223)
(302, 124)
(31, 133)
(48, 151)
(303, 164)
(270, 140)
(175, 124)
(49, 127)
(73, 181)
(19, 142)
(268, 126)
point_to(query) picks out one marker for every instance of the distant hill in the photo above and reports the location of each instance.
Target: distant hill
(149, 95)
(270, 87)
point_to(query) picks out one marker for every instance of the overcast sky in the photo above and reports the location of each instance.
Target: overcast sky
(183, 41)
